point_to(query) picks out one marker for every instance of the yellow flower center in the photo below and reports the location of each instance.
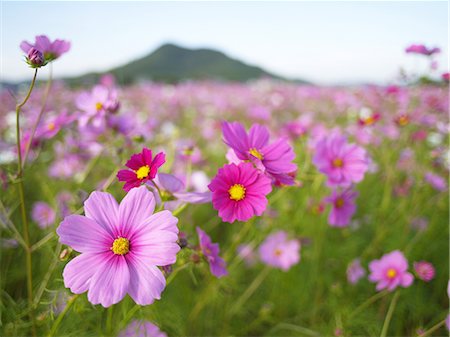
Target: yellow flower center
(391, 273)
(337, 162)
(339, 202)
(403, 120)
(237, 192)
(98, 106)
(255, 153)
(369, 120)
(51, 126)
(278, 252)
(143, 172)
(120, 246)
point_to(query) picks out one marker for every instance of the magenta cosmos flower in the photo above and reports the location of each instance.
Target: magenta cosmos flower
(239, 192)
(274, 159)
(421, 49)
(142, 329)
(424, 270)
(143, 168)
(278, 251)
(343, 163)
(390, 271)
(211, 252)
(355, 271)
(342, 207)
(50, 50)
(121, 247)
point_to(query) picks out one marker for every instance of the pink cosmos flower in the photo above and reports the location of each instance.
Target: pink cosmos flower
(424, 270)
(277, 251)
(239, 192)
(390, 271)
(246, 253)
(142, 329)
(51, 50)
(121, 247)
(343, 207)
(343, 163)
(95, 104)
(421, 49)
(49, 128)
(437, 182)
(355, 271)
(43, 214)
(211, 252)
(143, 168)
(274, 159)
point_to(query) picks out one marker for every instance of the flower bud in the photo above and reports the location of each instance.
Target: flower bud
(35, 58)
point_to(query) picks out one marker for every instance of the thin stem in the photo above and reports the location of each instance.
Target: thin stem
(389, 314)
(369, 301)
(26, 235)
(433, 329)
(44, 104)
(251, 289)
(47, 276)
(60, 317)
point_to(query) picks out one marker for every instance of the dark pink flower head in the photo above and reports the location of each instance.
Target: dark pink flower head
(424, 270)
(239, 192)
(341, 162)
(211, 252)
(50, 50)
(121, 247)
(274, 159)
(423, 50)
(142, 329)
(390, 271)
(342, 207)
(446, 77)
(143, 168)
(278, 251)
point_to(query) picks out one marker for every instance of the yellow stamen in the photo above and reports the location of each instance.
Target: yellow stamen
(369, 120)
(255, 153)
(337, 162)
(339, 202)
(403, 120)
(237, 192)
(51, 126)
(121, 246)
(278, 252)
(98, 106)
(391, 273)
(143, 172)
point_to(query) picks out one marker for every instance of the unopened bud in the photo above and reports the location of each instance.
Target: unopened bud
(35, 58)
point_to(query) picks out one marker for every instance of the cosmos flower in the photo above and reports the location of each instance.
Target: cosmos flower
(437, 182)
(277, 251)
(143, 168)
(211, 252)
(95, 104)
(355, 271)
(424, 270)
(390, 271)
(49, 128)
(341, 162)
(50, 50)
(174, 192)
(239, 192)
(142, 329)
(274, 159)
(421, 49)
(342, 207)
(246, 253)
(43, 214)
(121, 247)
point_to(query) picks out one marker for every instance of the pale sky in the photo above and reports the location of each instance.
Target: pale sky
(323, 42)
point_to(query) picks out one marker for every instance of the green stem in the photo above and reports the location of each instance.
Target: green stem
(26, 235)
(60, 317)
(433, 329)
(389, 314)
(44, 104)
(369, 301)
(250, 290)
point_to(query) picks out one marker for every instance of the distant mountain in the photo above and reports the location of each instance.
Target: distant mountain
(171, 63)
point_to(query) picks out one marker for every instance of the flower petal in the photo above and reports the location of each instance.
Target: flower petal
(103, 209)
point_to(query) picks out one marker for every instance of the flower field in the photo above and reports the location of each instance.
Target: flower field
(223, 209)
